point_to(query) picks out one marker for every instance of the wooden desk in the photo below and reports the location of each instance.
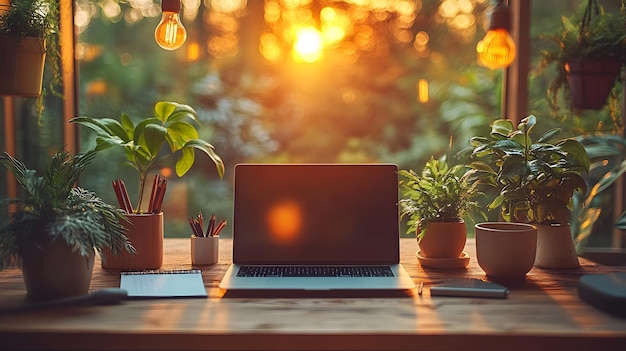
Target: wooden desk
(543, 312)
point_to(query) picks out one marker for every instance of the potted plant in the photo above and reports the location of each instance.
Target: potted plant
(537, 181)
(172, 130)
(57, 227)
(437, 200)
(29, 38)
(589, 53)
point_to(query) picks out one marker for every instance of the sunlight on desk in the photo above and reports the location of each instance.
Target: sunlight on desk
(541, 312)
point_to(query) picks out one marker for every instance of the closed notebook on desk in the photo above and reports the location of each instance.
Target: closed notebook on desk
(316, 227)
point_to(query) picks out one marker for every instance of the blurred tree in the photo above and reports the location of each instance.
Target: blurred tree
(393, 81)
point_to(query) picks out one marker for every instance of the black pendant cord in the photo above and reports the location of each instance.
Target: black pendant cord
(591, 10)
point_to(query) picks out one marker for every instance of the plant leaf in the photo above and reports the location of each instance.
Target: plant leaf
(208, 149)
(185, 161)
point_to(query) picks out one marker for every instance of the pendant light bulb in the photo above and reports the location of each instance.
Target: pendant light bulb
(497, 49)
(170, 33)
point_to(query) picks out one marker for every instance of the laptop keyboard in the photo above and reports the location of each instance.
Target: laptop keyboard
(315, 271)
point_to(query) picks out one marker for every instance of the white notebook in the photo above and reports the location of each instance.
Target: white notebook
(174, 283)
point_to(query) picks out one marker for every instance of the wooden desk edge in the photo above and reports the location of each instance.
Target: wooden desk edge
(303, 341)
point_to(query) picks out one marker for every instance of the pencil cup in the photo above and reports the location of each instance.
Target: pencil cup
(204, 250)
(145, 233)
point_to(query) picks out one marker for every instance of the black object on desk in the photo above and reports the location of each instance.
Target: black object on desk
(605, 291)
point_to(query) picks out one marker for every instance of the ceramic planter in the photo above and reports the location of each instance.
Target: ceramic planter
(145, 233)
(53, 271)
(443, 240)
(506, 250)
(555, 247)
(591, 80)
(21, 66)
(204, 250)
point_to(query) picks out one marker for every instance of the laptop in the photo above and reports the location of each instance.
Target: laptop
(316, 227)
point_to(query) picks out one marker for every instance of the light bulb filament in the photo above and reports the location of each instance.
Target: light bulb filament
(171, 30)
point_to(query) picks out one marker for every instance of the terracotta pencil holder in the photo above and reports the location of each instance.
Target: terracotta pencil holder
(204, 250)
(145, 232)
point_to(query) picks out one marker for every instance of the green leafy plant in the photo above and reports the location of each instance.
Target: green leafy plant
(607, 155)
(172, 130)
(589, 33)
(536, 179)
(53, 207)
(439, 193)
(37, 18)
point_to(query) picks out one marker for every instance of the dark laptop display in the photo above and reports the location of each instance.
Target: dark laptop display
(316, 227)
(316, 214)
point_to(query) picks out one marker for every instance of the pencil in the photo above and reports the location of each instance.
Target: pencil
(153, 192)
(211, 227)
(129, 205)
(219, 228)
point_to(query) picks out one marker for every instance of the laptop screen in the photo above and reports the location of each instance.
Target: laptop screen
(316, 214)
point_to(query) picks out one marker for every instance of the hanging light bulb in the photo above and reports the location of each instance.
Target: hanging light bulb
(497, 49)
(170, 33)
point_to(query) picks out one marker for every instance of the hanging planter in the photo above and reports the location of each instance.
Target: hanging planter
(591, 80)
(22, 65)
(29, 38)
(589, 52)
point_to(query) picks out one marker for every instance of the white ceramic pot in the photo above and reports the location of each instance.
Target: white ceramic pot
(555, 247)
(204, 250)
(506, 250)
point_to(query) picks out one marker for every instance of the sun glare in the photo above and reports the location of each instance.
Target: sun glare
(308, 46)
(285, 220)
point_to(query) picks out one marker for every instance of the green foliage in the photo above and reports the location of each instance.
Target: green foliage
(607, 153)
(53, 207)
(589, 33)
(438, 194)
(537, 180)
(173, 124)
(30, 18)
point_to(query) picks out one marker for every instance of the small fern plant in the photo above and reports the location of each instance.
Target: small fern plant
(53, 208)
(440, 193)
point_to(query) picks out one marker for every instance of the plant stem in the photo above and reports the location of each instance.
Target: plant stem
(142, 184)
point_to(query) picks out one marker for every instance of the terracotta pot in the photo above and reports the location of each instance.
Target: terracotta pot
(53, 271)
(21, 65)
(555, 247)
(443, 240)
(506, 250)
(591, 80)
(145, 232)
